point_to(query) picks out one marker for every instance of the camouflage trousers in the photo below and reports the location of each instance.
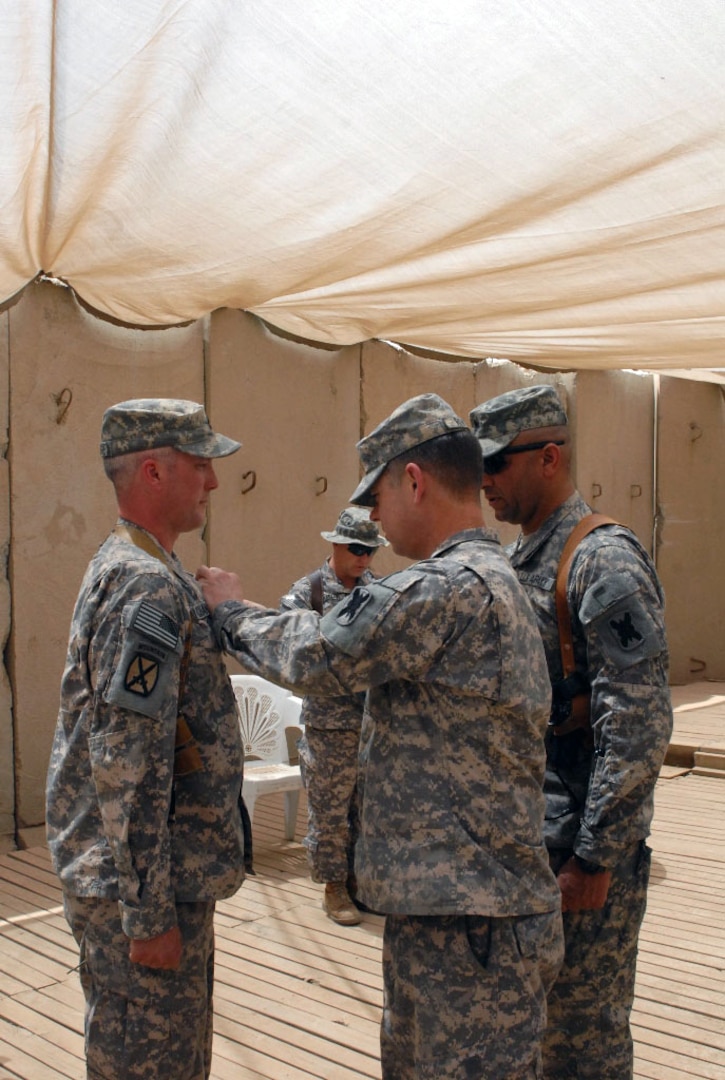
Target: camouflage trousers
(328, 762)
(142, 1023)
(588, 1035)
(465, 995)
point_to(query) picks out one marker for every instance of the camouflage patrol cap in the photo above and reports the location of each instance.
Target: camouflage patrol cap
(414, 422)
(355, 527)
(148, 423)
(497, 422)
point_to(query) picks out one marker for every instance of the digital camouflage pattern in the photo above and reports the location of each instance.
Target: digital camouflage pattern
(130, 842)
(147, 423)
(587, 1035)
(600, 800)
(355, 527)
(118, 825)
(451, 751)
(450, 971)
(451, 772)
(344, 711)
(497, 422)
(137, 850)
(414, 422)
(600, 803)
(328, 760)
(142, 1023)
(329, 747)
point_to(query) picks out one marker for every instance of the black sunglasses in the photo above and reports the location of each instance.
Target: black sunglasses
(360, 550)
(496, 463)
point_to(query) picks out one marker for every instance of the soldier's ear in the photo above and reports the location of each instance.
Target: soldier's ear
(550, 458)
(416, 479)
(150, 470)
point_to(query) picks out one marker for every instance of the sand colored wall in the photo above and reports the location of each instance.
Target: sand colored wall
(298, 409)
(613, 430)
(66, 367)
(7, 769)
(691, 497)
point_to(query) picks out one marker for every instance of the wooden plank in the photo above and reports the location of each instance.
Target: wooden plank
(25, 1055)
(329, 977)
(21, 1012)
(658, 980)
(675, 1020)
(297, 1025)
(300, 998)
(318, 1058)
(61, 1002)
(692, 1059)
(285, 991)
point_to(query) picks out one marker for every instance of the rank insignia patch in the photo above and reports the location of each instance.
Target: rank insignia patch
(141, 675)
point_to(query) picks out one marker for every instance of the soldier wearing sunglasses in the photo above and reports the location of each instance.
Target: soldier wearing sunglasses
(604, 756)
(329, 746)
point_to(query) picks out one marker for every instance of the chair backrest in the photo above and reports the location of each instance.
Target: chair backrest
(265, 710)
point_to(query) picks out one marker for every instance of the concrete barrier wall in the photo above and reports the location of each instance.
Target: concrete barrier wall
(7, 740)
(691, 525)
(298, 410)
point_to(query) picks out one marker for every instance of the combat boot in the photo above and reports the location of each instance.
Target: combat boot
(338, 905)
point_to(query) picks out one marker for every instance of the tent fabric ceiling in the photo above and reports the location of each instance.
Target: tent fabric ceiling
(540, 180)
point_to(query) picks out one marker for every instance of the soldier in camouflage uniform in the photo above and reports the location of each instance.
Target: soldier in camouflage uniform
(600, 777)
(328, 748)
(143, 816)
(451, 755)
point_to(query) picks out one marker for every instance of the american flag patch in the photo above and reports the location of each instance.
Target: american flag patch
(155, 624)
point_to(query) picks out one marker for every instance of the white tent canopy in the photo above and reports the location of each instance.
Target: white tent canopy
(542, 180)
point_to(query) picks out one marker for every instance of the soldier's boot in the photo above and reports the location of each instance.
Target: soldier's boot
(338, 905)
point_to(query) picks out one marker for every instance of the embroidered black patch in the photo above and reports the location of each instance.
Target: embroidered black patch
(627, 633)
(141, 675)
(358, 599)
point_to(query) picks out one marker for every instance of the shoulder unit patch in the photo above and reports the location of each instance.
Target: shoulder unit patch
(358, 600)
(141, 675)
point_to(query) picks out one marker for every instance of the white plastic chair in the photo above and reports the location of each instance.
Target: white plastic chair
(266, 711)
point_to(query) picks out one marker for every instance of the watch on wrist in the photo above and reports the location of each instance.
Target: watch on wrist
(588, 867)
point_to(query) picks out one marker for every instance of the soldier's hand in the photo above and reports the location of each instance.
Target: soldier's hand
(163, 951)
(581, 891)
(218, 585)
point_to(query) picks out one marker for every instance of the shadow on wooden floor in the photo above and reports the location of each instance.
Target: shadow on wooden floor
(299, 998)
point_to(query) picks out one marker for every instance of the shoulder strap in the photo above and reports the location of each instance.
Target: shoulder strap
(580, 703)
(580, 530)
(315, 580)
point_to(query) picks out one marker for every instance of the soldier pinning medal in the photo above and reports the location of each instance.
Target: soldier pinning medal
(457, 699)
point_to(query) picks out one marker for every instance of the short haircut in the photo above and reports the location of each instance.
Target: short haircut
(121, 469)
(454, 459)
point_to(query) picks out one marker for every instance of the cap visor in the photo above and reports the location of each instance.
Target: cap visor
(489, 447)
(361, 495)
(212, 446)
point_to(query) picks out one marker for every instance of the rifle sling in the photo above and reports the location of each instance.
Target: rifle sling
(315, 580)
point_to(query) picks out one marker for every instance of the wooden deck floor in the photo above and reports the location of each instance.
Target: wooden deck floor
(298, 998)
